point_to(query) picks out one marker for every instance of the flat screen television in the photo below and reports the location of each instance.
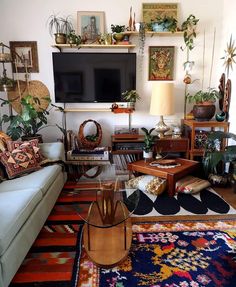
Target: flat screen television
(93, 77)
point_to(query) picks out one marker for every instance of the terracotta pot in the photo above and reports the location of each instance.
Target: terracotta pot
(203, 112)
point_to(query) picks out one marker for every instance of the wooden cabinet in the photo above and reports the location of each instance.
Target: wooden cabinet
(193, 127)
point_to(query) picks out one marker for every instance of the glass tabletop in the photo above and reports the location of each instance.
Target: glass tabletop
(109, 204)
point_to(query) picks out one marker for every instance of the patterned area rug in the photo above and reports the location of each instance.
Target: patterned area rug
(183, 253)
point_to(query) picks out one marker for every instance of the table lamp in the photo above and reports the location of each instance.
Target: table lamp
(162, 104)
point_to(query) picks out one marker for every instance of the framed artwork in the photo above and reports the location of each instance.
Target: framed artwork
(153, 10)
(161, 63)
(28, 53)
(90, 25)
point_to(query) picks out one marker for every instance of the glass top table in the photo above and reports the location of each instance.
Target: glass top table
(107, 232)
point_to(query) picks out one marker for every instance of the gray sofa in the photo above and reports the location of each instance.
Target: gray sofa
(25, 204)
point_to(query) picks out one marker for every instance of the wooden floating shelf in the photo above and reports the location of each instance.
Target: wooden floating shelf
(152, 33)
(93, 46)
(75, 110)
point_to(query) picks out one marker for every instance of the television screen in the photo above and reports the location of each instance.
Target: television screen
(93, 77)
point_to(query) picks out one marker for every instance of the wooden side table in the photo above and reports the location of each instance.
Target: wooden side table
(171, 174)
(193, 125)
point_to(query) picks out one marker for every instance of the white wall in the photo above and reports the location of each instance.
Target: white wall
(25, 20)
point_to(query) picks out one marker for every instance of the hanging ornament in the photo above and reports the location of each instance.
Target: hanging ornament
(187, 79)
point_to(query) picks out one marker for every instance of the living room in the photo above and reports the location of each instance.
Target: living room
(29, 21)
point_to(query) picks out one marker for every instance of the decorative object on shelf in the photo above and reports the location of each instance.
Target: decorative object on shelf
(131, 97)
(117, 32)
(204, 107)
(90, 25)
(73, 39)
(161, 63)
(60, 27)
(130, 20)
(149, 141)
(162, 104)
(154, 10)
(214, 159)
(93, 140)
(163, 24)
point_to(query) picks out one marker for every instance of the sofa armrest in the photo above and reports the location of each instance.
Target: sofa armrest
(53, 151)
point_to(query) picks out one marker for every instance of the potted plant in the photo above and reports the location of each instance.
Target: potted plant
(215, 159)
(189, 29)
(60, 27)
(117, 31)
(204, 103)
(7, 84)
(29, 121)
(72, 38)
(149, 141)
(166, 23)
(131, 96)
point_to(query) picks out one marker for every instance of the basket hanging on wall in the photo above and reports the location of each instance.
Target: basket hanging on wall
(93, 141)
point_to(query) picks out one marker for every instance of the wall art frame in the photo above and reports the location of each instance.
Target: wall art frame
(161, 63)
(153, 10)
(90, 25)
(28, 52)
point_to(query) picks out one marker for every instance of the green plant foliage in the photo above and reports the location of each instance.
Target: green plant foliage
(149, 139)
(212, 157)
(211, 95)
(130, 96)
(29, 121)
(58, 24)
(169, 23)
(189, 29)
(117, 28)
(72, 38)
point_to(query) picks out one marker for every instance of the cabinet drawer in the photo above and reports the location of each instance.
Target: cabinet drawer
(180, 145)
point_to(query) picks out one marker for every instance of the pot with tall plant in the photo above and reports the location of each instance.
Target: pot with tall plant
(204, 103)
(60, 27)
(131, 96)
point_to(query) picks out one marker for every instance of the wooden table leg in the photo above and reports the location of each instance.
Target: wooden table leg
(171, 184)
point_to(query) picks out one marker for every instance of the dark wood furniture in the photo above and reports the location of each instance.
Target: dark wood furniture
(171, 174)
(191, 127)
(133, 145)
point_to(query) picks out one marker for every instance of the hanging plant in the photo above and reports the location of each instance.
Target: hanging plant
(189, 29)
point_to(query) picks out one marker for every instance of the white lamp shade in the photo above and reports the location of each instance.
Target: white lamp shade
(162, 100)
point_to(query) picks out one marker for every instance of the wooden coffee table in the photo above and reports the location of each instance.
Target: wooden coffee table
(171, 174)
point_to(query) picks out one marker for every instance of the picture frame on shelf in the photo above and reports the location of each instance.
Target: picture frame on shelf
(161, 63)
(28, 52)
(90, 25)
(151, 11)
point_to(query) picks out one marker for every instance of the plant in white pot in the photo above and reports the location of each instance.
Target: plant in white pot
(149, 141)
(131, 96)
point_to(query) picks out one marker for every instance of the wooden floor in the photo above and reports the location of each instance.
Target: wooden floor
(228, 195)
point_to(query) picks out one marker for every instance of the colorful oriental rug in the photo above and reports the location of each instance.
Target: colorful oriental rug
(165, 254)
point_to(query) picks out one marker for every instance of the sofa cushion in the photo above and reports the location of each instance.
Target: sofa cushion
(19, 161)
(34, 143)
(15, 208)
(40, 179)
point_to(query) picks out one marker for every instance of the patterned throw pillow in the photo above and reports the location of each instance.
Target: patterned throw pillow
(11, 145)
(3, 175)
(19, 161)
(3, 141)
(191, 184)
(148, 183)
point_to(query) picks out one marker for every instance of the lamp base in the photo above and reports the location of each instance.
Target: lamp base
(161, 127)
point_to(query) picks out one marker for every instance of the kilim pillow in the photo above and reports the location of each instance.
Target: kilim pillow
(11, 145)
(191, 184)
(19, 161)
(3, 141)
(148, 183)
(3, 175)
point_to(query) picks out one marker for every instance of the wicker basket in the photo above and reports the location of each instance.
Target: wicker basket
(84, 141)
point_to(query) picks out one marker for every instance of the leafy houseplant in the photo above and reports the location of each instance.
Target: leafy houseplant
(149, 141)
(189, 29)
(215, 159)
(117, 31)
(7, 84)
(60, 27)
(204, 108)
(165, 23)
(131, 96)
(29, 121)
(72, 38)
